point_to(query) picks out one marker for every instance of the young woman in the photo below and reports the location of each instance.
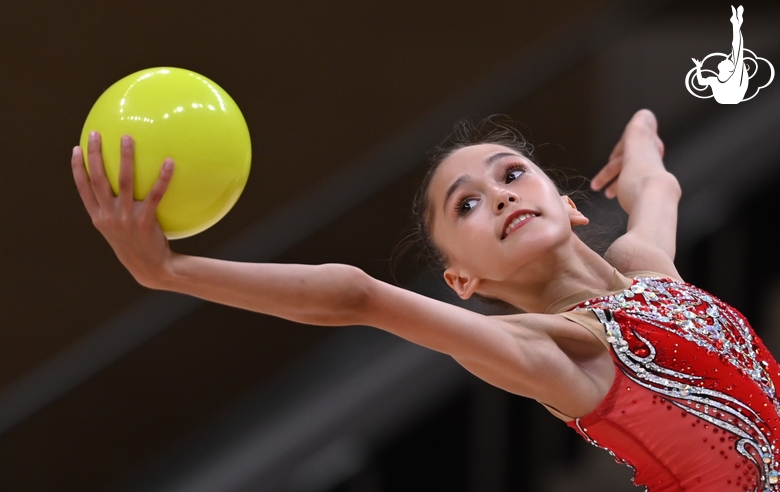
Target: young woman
(665, 376)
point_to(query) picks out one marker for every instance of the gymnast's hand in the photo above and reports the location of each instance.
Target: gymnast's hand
(129, 226)
(636, 159)
(635, 174)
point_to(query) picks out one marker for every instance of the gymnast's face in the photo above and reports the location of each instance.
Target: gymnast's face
(494, 212)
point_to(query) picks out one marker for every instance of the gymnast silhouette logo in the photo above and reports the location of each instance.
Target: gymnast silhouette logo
(735, 70)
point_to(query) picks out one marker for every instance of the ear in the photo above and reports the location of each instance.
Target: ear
(575, 216)
(464, 286)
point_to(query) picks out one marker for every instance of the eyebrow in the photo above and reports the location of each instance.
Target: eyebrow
(500, 155)
(465, 179)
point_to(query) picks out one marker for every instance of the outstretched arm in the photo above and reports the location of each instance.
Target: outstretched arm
(321, 294)
(648, 193)
(518, 356)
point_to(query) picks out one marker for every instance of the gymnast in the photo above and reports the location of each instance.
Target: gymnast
(666, 377)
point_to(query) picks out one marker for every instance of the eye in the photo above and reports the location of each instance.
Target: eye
(465, 205)
(513, 172)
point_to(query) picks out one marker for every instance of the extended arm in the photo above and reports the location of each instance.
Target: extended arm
(648, 193)
(518, 356)
(513, 356)
(321, 294)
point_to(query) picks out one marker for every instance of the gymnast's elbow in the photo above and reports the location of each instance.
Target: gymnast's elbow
(349, 298)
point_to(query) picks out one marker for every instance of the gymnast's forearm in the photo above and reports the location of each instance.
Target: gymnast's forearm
(649, 190)
(329, 294)
(643, 173)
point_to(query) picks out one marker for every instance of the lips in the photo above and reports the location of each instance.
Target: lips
(516, 219)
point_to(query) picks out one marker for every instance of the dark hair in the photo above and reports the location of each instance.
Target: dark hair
(491, 130)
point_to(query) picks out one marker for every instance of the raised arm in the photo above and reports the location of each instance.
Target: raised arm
(518, 356)
(648, 193)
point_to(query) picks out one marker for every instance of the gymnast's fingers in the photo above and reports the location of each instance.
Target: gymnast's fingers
(611, 190)
(82, 183)
(126, 174)
(97, 173)
(607, 174)
(157, 192)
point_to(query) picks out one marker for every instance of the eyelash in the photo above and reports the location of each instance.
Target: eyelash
(515, 167)
(510, 169)
(459, 206)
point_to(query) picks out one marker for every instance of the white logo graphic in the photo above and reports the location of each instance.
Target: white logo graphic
(735, 70)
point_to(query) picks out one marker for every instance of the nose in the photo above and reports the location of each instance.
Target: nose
(503, 198)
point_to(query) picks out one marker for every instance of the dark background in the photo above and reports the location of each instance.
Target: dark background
(98, 397)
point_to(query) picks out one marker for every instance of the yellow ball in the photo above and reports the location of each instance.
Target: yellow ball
(172, 112)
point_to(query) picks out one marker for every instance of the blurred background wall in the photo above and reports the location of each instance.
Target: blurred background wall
(107, 387)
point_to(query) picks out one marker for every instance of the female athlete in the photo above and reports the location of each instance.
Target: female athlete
(665, 376)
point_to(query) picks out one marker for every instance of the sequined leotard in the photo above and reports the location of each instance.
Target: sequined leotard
(693, 404)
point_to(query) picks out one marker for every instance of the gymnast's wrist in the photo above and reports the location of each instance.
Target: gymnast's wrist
(171, 274)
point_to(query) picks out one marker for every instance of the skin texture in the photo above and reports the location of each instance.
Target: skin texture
(535, 258)
(545, 357)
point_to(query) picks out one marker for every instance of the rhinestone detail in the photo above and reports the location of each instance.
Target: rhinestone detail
(700, 318)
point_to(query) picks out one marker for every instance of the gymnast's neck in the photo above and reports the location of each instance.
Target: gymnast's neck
(571, 267)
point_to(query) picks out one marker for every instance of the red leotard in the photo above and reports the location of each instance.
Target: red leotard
(693, 404)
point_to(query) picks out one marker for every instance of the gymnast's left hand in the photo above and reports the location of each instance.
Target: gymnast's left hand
(130, 227)
(637, 157)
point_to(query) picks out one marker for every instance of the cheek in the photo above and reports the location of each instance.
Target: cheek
(454, 241)
(439, 239)
(475, 242)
